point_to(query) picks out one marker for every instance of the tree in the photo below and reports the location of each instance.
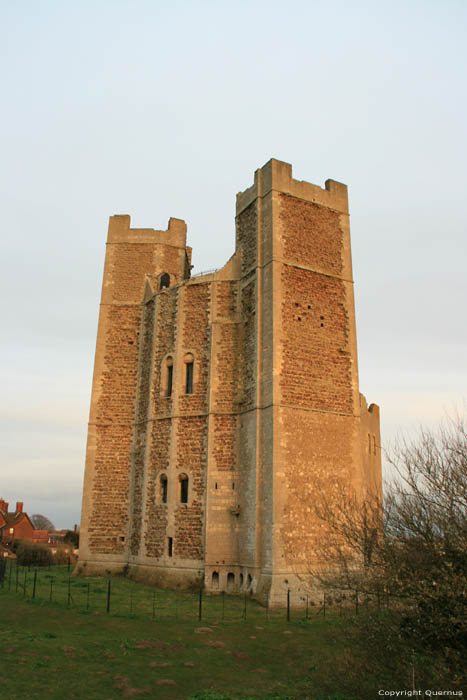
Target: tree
(40, 522)
(414, 544)
(72, 538)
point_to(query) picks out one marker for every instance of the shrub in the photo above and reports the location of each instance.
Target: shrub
(31, 554)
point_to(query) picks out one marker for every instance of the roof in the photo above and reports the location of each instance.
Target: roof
(14, 518)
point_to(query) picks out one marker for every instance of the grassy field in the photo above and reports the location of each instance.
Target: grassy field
(155, 646)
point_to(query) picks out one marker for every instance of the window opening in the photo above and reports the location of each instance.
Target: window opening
(374, 445)
(165, 280)
(183, 488)
(170, 546)
(230, 581)
(189, 378)
(170, 375)
(241, 580)
(248, 581)
(215, 580)
(163, 488)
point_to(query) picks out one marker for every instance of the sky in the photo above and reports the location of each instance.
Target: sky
(159, 109)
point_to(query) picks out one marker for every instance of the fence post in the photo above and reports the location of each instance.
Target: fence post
(24, 583)
(131, 600)
(154, 605)
(69, 592)
(200, 605)
(306, 609)
(87, 598)
(288, 605)
(34, 584)
(356, 601)
(223, 604)
(108, 596)
(9, 577)
(324, 604)
(51, 588)
(17, 576)
(244, 609)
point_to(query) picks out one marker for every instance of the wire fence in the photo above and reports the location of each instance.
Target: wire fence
(120, 596)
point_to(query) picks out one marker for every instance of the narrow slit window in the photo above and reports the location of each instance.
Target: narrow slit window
(183, 488)
(170, 546)
(189, 378)
(163, 489)
(170, 375)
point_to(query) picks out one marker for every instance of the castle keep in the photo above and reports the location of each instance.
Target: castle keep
(224, 405)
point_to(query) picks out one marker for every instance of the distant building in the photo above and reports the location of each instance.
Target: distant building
(15, 525)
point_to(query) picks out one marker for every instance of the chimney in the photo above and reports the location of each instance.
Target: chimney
(3, 506)
(19, 507)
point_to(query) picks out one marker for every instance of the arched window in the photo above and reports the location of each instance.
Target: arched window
(164, 280)
(189, 371)
(163, 484)
(183, 488)
(241, 580)
(215, 580)
(248, 581)
(230, 581)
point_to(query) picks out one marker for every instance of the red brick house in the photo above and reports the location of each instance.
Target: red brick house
(16, 526)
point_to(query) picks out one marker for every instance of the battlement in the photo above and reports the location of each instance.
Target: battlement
(120, 232)
(276, 175)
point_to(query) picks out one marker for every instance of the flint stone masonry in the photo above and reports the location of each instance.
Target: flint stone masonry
(215, 480)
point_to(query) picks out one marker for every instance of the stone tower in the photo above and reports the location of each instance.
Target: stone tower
(225, 405)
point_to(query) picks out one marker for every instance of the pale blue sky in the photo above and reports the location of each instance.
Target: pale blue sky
(159, 109)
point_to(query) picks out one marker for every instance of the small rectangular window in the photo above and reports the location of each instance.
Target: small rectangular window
(170, 374)
(164, 489)
(184, 491)
(170, 544)
(189, 378)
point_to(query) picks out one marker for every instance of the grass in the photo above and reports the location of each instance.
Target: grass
(73, 648)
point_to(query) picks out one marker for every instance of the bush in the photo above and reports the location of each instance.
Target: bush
(31, 554)
(413, 545)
